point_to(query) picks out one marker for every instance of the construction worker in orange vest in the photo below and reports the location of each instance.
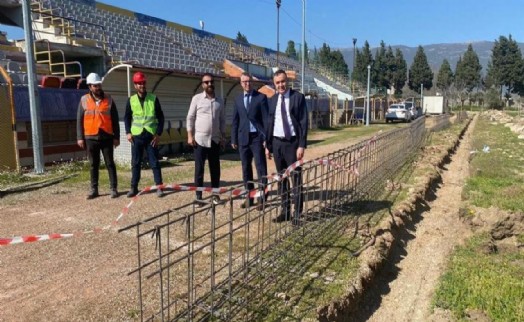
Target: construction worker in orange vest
(98, 130)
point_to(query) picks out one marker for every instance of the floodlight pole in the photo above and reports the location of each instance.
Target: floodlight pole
(279, 3)
(303, 45)
(367, 104)
(34, 100)
(354, 58)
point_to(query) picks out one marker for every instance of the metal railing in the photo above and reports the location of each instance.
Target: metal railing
(62, 64)
(224, 263)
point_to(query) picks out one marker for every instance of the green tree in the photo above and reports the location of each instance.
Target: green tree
(306, 54)
(492, 99)
(399, 72)
(467, 74)
(420, 72)
(363, 59)
(379, 74)
(338, 64)
(506, 66)
(242, 38)
(324, 55)
(444, 76)
(290, 50)
(315, 59)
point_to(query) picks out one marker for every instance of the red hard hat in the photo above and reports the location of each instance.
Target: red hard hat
(139, 77)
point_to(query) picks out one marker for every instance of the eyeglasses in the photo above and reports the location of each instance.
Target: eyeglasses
(208, 82)
(140, 83)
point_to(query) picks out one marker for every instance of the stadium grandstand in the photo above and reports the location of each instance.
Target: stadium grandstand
(76, 37)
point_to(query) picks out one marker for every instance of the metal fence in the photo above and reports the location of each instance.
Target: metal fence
(224, 263)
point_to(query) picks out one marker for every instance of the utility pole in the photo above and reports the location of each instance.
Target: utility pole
(34, 100)
(367, 104)
(421, 97)
(303, 45)
(279, 3)
(354, 59)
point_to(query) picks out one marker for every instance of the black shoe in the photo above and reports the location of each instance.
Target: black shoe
(199, 203)
(247, 203)
(114, 193)
(92, 195)
(284, 216)
(132, 192)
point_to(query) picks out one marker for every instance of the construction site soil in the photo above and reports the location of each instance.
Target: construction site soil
(85, 278)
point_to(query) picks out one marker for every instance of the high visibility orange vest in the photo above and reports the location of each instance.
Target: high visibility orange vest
(97, 117)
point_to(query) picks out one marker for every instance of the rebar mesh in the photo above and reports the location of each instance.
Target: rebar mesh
(220, 262)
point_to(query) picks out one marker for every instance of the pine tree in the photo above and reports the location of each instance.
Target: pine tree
(399, 74)
(506, 67)
(445, 76)
(380, 68)
(364, 58)
(290, 50)
(420, 72)
(467, 75)
(242, 38)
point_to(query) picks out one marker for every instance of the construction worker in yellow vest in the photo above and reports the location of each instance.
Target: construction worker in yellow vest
(144, 123)
(98, 131)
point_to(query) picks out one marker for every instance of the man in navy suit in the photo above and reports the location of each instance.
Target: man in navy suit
(248, 134)
(287, 128)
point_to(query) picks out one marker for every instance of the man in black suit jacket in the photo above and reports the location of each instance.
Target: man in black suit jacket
(248, 134)
(287, 139)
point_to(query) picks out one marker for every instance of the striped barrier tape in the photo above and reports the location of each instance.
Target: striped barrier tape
(176, 187)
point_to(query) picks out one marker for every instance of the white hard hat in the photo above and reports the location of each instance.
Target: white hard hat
(93, 79)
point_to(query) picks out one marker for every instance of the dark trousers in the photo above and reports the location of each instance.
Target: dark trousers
(94, 147)
(285, 154)
(254, 150)
(140, 143)
(212, 156)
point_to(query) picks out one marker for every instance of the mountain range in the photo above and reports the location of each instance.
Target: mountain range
(436, 53)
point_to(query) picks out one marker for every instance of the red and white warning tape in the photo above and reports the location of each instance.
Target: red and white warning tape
(176, 187)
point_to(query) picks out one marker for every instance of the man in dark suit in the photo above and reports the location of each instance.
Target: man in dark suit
(248, 134)
(287, 128)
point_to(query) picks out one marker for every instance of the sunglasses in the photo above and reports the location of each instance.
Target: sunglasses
(208, 82)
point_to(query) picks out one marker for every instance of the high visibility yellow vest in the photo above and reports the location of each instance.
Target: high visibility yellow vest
(143, 118)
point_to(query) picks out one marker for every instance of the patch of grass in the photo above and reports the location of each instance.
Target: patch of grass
(352, 132)
(496, 178)
(477, 279)
(489, 282)
(13, 178)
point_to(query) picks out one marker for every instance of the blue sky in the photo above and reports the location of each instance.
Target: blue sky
(336, 22)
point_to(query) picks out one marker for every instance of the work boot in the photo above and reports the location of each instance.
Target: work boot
(132, 192)
(114, 193)
(93, 194)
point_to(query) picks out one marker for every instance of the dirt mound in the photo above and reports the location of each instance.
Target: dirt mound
(516, 124)
(504, 227)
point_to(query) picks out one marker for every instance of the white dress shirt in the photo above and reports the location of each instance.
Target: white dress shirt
(278, 129)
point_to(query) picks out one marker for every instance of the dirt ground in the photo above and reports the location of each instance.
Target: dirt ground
(83, 278)
(404, 291)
